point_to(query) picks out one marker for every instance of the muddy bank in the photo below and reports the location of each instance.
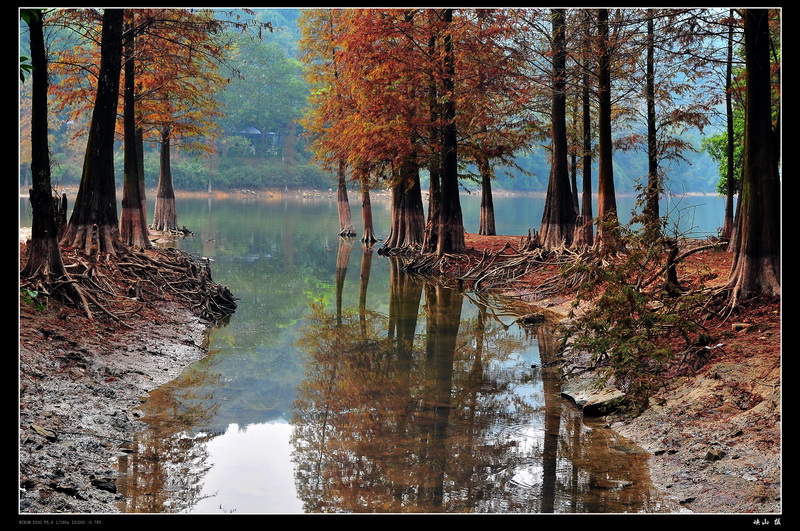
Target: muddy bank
(79, 399)
(82, 378)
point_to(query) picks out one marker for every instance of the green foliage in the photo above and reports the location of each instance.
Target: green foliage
(716, 146)
(31, 297)
(24, 67)
(256, 172)
(632, 320)
(189, 173)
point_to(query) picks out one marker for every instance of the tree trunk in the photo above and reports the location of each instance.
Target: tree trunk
(606, 196)
(573, 177)
(133, 221)
(730, 184)
(165, 216)
(140, 165)
(43, 253)
(435, 162)
(94, 225)
(450, 237)
(756, 263)
(366, 213)
(408, 215)
(651, 213)
(584, 233)
(558, 219)
(346, 227)
(487, 223)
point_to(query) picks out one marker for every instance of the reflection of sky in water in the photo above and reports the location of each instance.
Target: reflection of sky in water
(252, 472)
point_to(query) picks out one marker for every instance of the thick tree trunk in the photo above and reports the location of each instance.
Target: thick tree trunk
(43, 253)
(346, 227)
(94, 225)
(450, 229)
(133, 221)
(608, 221)
(165, 215)
(756, 264)
(408, 216)
(434, 163)
(558, 219)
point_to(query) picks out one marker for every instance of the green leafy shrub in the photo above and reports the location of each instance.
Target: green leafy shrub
(634, 321)
(32, 297)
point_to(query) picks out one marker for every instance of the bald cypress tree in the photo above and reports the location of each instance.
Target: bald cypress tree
(93, 225)
(756, 263)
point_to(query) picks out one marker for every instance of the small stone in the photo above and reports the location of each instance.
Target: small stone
(106, 484)
(44, 432)
(714, 455)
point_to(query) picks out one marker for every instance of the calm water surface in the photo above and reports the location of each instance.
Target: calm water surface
(343, 385)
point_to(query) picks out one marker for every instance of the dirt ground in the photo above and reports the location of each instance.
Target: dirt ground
(714, 433)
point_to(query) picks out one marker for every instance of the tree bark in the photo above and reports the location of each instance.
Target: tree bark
(756, 263)
(165, 216)
(346, 227)
(408, 215)
(435, 162)
(487, 221)
(730, 184)
(133, 221)
(366, 212)
(558, 219)
(93, 225)
(43, 252)
(584, 231)
(651, 213)
(450, 237)
(606, 196)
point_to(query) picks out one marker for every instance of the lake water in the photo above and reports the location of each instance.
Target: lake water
(343, 385)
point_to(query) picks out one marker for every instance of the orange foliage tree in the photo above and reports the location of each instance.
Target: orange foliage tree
(385, 99)
(171, 73)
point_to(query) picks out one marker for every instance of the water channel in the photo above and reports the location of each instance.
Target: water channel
(342, 385)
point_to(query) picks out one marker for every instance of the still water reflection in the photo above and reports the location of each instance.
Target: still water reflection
(343, 385)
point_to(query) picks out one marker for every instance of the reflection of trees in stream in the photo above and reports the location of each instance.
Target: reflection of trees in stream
(391, 421)
(164, 473)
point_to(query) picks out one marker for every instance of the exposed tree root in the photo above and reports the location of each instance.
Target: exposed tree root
(541, 273)
(113, 286)
(503, 270)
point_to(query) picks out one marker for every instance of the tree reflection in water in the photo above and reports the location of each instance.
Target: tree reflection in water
(164, 472)
(393, 419)
(437, 404)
